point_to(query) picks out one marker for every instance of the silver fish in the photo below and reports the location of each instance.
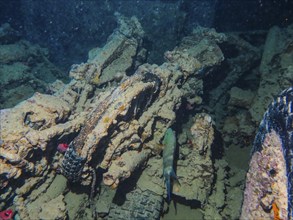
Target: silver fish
(169, 142)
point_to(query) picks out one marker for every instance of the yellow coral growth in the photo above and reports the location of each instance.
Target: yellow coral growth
(106, 120)
(122, 107)
(96, 79)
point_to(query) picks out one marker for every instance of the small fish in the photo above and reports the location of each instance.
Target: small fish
(6, 214)
(169, 142)
(62, 147)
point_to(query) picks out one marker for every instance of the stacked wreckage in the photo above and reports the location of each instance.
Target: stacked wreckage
(113, 114)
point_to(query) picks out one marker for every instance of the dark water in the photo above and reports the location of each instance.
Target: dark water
(70, 28)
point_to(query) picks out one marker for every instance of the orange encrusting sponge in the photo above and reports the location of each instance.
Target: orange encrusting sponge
(276, 211)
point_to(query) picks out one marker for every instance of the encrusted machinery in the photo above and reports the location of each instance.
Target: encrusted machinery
(269, 190)
(114, 120)
(126, 125)
(31, 130)
(139, 205)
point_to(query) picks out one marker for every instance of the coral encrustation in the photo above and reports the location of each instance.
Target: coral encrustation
(265, 196)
